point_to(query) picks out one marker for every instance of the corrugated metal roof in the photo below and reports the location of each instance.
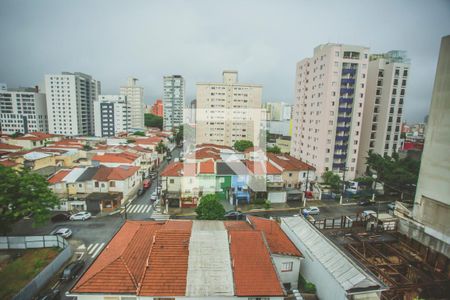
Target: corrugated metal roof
(74, 174)
(346, 272)
(209, 270)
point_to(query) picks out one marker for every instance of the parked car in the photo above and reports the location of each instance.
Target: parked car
(152, 175)
(84, 215)
(391, 206)
(146, 183)
(153, 197)
(64, 232)
(51, 295)
(367, 213)
(60, 217)
(72, 270)
(141, 191)
(169, 157)
(313, 210)
(364, 202)
(234, 215)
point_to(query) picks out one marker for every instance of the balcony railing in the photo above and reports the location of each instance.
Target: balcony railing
(340, 147)
(348, 81)
(339, 166)
(344, 119)
(345, 110)
(343, 128)
(348, 71)
(346, 100)
(342, 138)
(340, 156)
(349, 91)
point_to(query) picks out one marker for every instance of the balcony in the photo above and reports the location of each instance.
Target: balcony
(341, 147)
(343, 128)
(342, 138)
(348, 81)
(340, 156)
(348, 71)
(345, 100)
(344, 119)
(339, 166)
(347, 110)
(349, 91)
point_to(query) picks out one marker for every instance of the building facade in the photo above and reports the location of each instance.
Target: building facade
(70, 103)
(157, 108)
(327, 121)
(278, 111)
(112, 115)
(23, 110)
(228, 111)
(135, 99)
(173, 101)
(383, 105)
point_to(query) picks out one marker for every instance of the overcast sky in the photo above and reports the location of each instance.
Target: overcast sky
(263, 40)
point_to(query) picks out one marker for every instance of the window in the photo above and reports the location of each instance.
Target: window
(290, 174)
(287, 266)
(259, 298)
(172, 181)
(112, 184)
(96, 184)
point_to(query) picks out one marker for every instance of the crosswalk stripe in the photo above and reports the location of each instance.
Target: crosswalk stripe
(133, 208)
(98, 250)
(142, 207)
(89, 247)
(148, 209)
(93, 248)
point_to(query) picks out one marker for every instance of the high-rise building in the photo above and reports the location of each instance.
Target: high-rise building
(157, 108)
(112, 115)
(173, 101)
(330, 91)
(383, 105)
(278, 111)
(23, 110)
(228, 111)
(70, 103)
(135, 99)
(430, 224)
(3, 87)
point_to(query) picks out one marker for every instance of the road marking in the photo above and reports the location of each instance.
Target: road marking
(98, 250)
(89, 247)
(148, 209)
(144, 207)
(133, 208)
(93, 248)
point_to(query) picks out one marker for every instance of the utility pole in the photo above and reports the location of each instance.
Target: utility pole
(126, 204)
(306, 187)
(343, 183)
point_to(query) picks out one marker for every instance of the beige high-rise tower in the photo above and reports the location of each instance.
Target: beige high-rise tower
(330, 89)
(228, 111)
(135, 99)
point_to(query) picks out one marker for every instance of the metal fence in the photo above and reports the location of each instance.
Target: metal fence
(32, 242)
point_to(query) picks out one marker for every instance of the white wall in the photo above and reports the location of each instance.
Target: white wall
(291, 276)
(277, 197)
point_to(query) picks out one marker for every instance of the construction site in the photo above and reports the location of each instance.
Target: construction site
(409, 269)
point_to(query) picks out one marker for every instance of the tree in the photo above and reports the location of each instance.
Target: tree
(210, 208)
(242, 145)
(161, 148)
(331, 179)
(17, 134)
(87, 147)
(275, 149)
(139, 133)
(151, 120)
(179, 135)
(23, 194)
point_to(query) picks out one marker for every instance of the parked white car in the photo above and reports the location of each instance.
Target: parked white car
(313, 210)
(84, 215)
(153, 197)
(64, 232)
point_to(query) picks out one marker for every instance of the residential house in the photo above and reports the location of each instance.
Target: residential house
(9, 148)
(266, 181)
(166, 260)
(33, 140)
(78, 188)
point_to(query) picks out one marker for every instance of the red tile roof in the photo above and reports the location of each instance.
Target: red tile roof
(252, 149)
(289, 163)
(8, 163)
(204, 153)
(149, 141)
(213, 146)
(262, 168)
(9, 147)
(117, 173)
(253, 271)
(237, 225)
(122, 158)
(207, 167)
(177, 169)
(68, 143)
(58, 177)
(278, 241)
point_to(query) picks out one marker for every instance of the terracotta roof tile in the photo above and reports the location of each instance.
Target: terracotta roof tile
(177, 169)
(58, 177)
(123, 158)
(289, 163)
(149, 141)
(278, 241)
(254, 273)
(117, 173)
(237, 225)
(9, 147)
(262, 168)
(207, 167)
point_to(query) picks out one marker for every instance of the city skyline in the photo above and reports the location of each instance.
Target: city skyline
(208, 43)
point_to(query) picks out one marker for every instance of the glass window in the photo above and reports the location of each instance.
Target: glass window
(287, 266)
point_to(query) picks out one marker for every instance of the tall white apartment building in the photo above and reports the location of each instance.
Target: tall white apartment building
(112, 115)
(23, 110)
(173, 101)
(70, 103)
(327, 121)
(135, 98)
(278, 111)
(383, 105)
(228, 111)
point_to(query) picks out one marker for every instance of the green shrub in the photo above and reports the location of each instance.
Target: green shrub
(267, 204)
(309, 288)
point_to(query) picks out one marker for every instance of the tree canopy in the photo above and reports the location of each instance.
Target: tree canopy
(24, 194)
(139, 133)
(151, 120)
(241, 145)
(331, 179)
(179, 135)
(161, 148)
(397, 174)
(210, 208)
(275, 149)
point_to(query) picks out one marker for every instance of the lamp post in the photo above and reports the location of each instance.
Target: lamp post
(374, 176)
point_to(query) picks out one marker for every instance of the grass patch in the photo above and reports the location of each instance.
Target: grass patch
(15, 273)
